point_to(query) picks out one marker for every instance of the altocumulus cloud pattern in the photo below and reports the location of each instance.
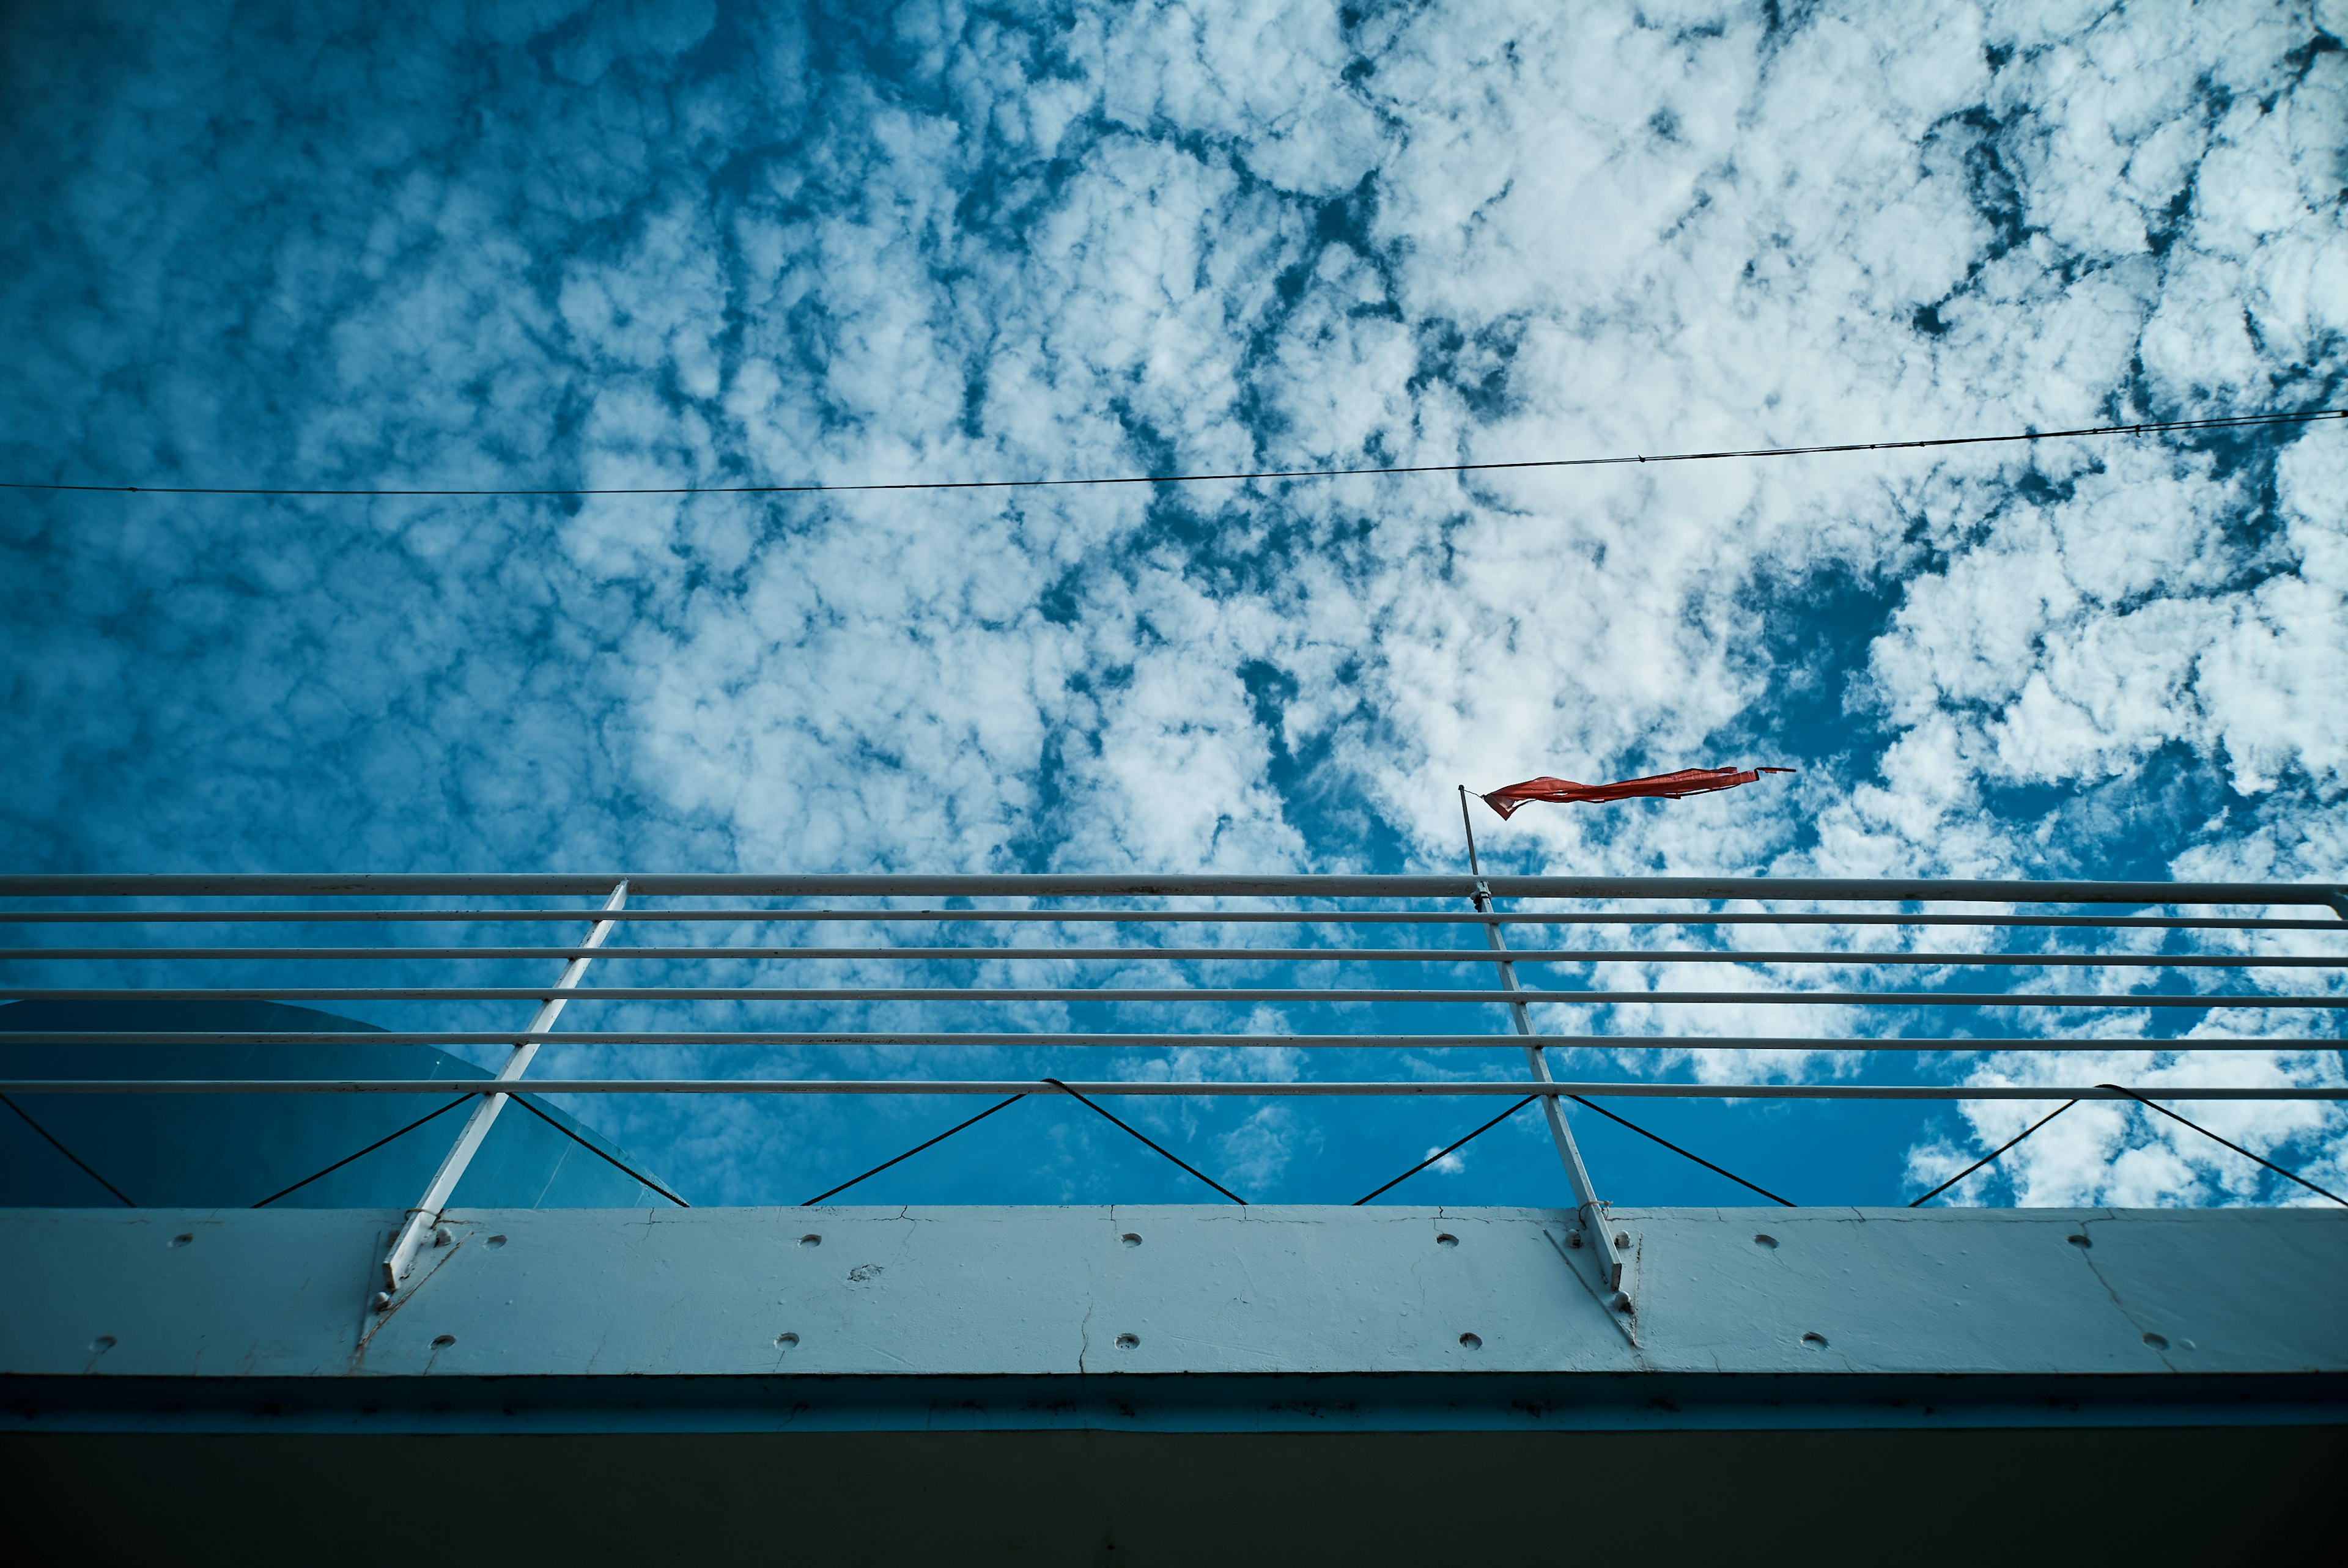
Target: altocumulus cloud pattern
(680, 243)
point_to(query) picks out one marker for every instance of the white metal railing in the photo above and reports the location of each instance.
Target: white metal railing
(2240, 916)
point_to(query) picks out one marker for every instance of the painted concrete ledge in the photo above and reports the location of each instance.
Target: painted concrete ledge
(1172, 1318)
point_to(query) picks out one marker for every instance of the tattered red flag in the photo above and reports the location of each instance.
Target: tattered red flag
(1656, 786)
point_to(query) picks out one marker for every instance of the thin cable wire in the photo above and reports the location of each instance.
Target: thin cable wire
(2229, 1143)
(1993, 1154)
(1440, 1154)
(911, 1151)
(1529, 996)
(598, 1153)
(1135, 917)
(69, 1153)
(1852, 958)
(370, 1149)
(1675, 1149)
(2150, 428)
(1144, 1138)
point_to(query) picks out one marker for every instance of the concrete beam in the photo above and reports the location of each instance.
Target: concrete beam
(1179, 1319)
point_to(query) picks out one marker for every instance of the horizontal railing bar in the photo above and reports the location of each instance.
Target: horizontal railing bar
(1612, 1090)
(1237, 955)
(986, 994)
(655, 884)
(1151, 1041)
(1148, 916)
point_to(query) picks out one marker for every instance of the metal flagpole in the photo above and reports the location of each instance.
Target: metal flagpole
(1592, 1212)
(1465, 821)
(426, 1214)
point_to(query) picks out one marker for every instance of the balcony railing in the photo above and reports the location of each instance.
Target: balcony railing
(1894, 966)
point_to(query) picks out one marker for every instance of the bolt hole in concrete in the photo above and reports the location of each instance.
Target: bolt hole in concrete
(811, 1241)
(497, 1241)
(2078, 1241)
(1127, 1342)
(442, 1341)
(104, 1342)
(1764, 1240)
(787, 1340)
(182, 1240)
(2155, 1341)
(1815, 1341)
(1130, 1239)
(1447, 1239)
(1470, 1342)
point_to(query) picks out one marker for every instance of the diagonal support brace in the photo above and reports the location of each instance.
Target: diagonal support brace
(1586, 1207)
(425, 1215)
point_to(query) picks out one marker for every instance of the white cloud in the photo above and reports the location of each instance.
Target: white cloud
(1259, 1149)
(1198, 237)
(2100, 1153)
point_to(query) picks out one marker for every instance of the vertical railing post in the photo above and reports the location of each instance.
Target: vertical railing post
(1592, 1213)
(426, 1214)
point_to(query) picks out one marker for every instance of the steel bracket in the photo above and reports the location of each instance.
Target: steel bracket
(1595, 1229)
(424, 1220)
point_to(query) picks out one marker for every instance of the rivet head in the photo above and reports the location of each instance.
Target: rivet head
(182, 1240)
(1130, 1239)
(1770, 1241)
(810, 1240)
(786, 1342)
(104, 1342)
(1471, 1342)
(1814, 1341)
(1622, 1238)
(1128, 1341)
(442, 1341)
(442, 1236)
(2158, 1341)
(382, 1300)
(1447, 1239)
(2078, 1241)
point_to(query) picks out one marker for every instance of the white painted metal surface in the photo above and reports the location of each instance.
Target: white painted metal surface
(898, 1293)
(1595, 1231)
(421, 1220)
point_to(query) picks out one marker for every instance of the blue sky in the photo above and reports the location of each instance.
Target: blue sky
(562, 245)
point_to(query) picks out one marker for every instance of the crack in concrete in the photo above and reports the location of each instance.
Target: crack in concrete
(2087, 1256)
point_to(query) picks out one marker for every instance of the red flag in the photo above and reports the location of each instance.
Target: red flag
(1656, 786)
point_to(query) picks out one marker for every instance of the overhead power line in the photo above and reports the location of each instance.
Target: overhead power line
(2239, 422)
(1447, 1150)
(2229, 1143)
(69, 1153)
(835, 1192)
(1146, 1138)
(371, 1148)
(1993, 1154)
(1675, 1149)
